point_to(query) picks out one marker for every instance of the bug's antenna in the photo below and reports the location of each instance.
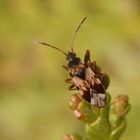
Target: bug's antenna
(49, 45)
(73, 39)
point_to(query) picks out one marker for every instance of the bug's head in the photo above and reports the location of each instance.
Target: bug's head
(71, 56)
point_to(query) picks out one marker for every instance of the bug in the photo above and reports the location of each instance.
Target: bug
(84, 76)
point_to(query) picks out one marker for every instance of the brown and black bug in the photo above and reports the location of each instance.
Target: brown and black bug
(85, 76)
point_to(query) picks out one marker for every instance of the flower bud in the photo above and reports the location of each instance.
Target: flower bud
(78, 114)
(121, 105)
(72, 137)
(67, 137)
(74, 101)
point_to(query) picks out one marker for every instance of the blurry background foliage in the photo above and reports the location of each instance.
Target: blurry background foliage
(33, 94)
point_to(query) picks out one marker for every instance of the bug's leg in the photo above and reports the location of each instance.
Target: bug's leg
(65, 67)
(87, 58)
(95, 67)
(72, 87)
(69, 80)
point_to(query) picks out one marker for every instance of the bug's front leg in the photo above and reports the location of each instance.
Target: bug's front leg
(65, 67)
(72, 87)
(69, 80)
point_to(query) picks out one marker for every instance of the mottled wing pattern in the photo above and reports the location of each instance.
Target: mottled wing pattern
(97, 99)
(83, 88)
(93, 80)
(80, 84)
(97, 91)
(90, 76)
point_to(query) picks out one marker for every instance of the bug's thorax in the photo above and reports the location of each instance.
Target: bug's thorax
(75, 66)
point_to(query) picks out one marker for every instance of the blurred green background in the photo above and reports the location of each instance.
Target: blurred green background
(33, 94)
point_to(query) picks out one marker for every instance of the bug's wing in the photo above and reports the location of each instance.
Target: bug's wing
(83, 88)
(97, 99)
(80, 84)
(94, 81)
(87, 58)
(89, 76)
(104, 78)
(97, 90)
